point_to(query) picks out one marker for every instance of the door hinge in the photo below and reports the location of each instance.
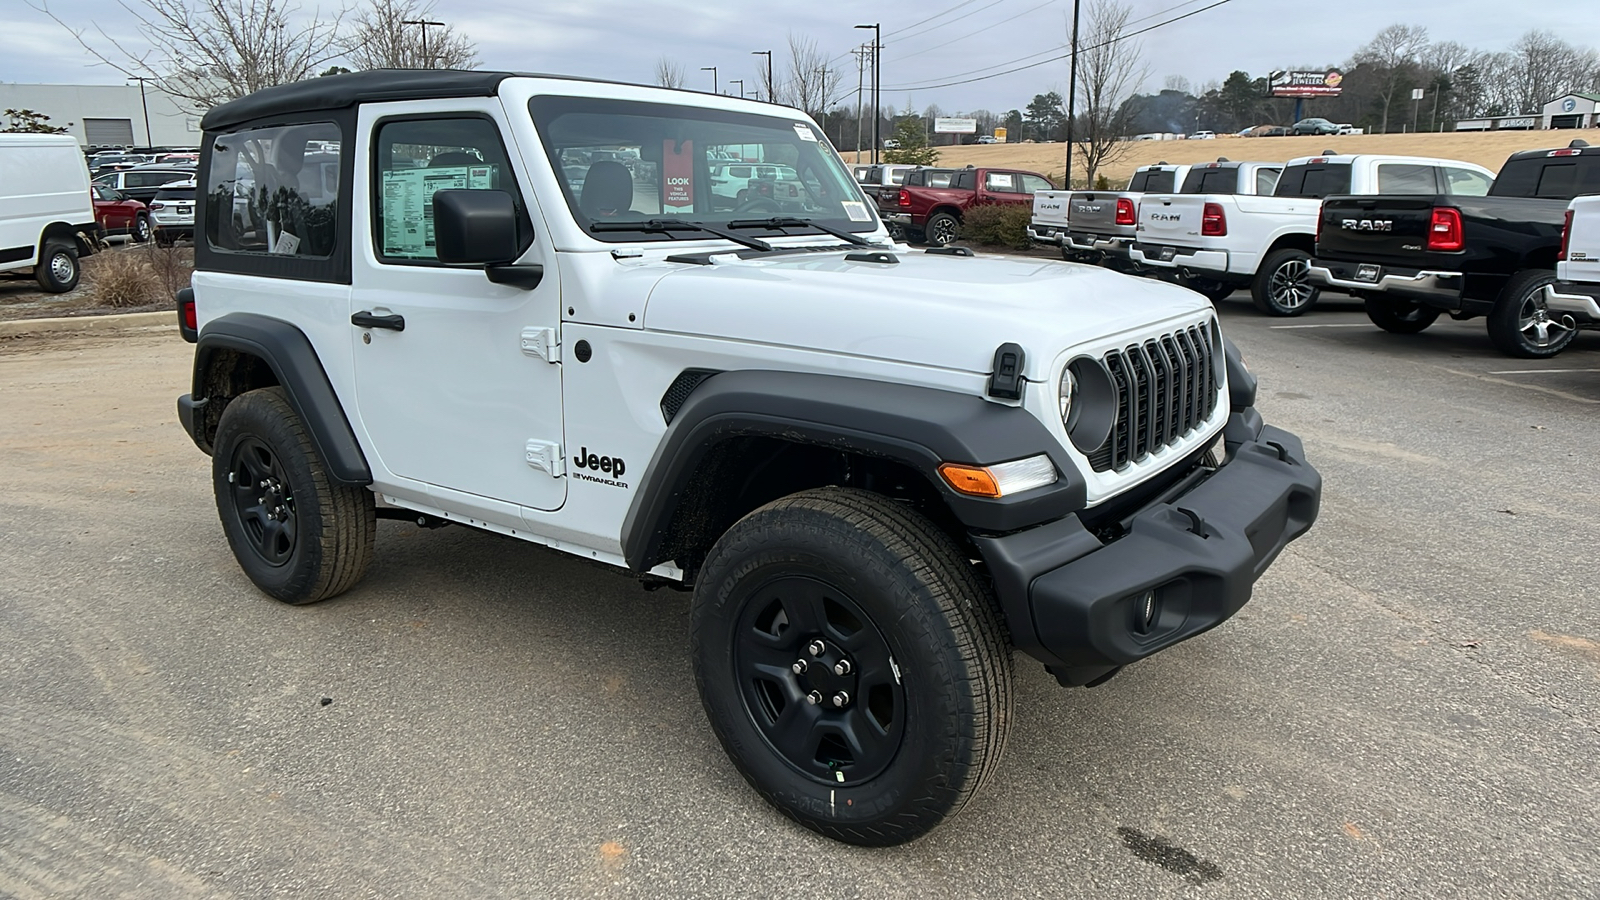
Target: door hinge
(546, 456)
(541, 342)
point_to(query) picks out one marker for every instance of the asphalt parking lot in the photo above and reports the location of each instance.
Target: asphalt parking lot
(1409, 706)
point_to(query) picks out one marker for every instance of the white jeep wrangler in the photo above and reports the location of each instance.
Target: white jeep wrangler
(515, 303)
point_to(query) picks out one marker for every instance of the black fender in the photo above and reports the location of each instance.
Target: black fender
(1241, 382)
(293, 361)
(918, 426)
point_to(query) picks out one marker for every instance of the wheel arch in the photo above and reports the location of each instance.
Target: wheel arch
(241, 352)
(66, 231)
(1294, 240)
(743, 438)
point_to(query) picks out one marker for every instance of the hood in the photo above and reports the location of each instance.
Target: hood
(934, 310)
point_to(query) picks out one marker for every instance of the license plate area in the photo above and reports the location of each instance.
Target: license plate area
(1369, 273)
(1167, 254)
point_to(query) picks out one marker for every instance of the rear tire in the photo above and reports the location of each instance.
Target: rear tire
(1212, 289)
(1399, 316)
(1282, 286)
(943, 229)
(1520, 325)
(925, 695)
(58, 270)
(297, 533)
(140, 232)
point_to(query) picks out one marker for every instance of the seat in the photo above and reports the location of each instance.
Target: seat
(607, 190)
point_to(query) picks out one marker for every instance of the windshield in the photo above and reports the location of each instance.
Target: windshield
(624, 161)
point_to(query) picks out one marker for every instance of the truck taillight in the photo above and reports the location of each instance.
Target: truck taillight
(905, 198)
(1566, 237)
(1125, 211)
(188, 319)
(1213, 221)
(1444, 229)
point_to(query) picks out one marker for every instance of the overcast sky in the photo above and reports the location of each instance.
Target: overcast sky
(622, 39)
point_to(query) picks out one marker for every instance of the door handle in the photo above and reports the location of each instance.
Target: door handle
(366, 319)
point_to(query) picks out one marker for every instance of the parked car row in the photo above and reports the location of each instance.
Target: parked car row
(931, 203)
(1413, 237)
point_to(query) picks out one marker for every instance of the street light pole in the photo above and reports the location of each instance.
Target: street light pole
(427, 59)
(740, 83)
(771, 88)
(1072, 96)
(148, 142)
(713, 71)
(877, 49)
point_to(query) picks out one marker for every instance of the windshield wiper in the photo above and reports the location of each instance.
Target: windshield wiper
(779, 222)
(665, 226)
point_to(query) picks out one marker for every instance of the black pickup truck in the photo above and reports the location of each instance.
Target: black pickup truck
(1441, 249)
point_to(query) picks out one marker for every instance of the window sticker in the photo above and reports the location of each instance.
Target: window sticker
(805, 132)
(999, 181)
(287, 244)
(856, 211)
(677, 176)
(408, 204)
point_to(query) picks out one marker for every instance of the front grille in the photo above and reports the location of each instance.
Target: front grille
(1166, 388)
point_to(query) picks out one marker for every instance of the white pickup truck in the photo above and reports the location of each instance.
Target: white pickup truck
(1098, 226)
(1577, 289)
(1266, 242)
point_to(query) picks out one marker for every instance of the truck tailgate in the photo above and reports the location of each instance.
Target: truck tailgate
(1050, 208)
(1095, 212)
(1386, 229)
(1171, 219)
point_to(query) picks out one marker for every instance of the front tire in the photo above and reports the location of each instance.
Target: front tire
(58, 270)
(1520, 325)
(859, 603)
(1282, 286)
(943, 229)
(297, 533)
(1399, 316)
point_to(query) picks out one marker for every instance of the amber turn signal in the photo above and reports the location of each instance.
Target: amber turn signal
(974, 481)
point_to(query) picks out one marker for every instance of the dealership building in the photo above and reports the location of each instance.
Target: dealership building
(110, 115)
(1575, 110)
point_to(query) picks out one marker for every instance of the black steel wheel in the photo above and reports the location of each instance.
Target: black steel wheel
(1399, 316)
(942, 229)
(1521, 325)
(299, 535)
(852, 664)
(1283, 286)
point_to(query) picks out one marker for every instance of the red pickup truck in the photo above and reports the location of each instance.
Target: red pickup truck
(933, 212)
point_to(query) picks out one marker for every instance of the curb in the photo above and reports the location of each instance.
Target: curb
(103, 324)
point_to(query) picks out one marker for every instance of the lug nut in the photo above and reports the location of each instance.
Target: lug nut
(841, 698)
(799, 667)
(814, 698)
(817, 648)
(842, 667)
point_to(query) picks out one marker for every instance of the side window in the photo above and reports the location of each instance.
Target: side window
(1001, 182)
(1466, 182)
(1267, 181)
(965, 181)
(274, 190)
(412, 158)
(1033, 183)
(1406, 178)
(739, 171)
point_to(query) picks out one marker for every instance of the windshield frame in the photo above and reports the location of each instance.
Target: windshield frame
(546, 109)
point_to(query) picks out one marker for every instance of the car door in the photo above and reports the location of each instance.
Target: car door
(457, 381)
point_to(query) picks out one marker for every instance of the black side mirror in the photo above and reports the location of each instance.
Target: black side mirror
(474, 227)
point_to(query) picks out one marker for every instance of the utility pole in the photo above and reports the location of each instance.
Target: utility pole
(148, 142)
(427, 59)
(1072, 95)
(713, 71)
(771, 88)
(877, 53)
(861, 67)
(740, 83)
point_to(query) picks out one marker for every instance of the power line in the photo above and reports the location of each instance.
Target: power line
(938, 15)
(1035, 65)
(964, 37)
(933, 28)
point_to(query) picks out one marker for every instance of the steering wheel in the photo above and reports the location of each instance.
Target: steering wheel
(757, 204)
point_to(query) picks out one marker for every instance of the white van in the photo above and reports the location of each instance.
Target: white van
(46, 210)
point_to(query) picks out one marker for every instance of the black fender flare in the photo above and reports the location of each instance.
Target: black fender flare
(294, 362)
(918, 426)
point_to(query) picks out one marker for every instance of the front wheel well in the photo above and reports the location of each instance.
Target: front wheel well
(224, 374)
(741, 474)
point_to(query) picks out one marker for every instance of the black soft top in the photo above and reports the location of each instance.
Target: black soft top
(344, 91)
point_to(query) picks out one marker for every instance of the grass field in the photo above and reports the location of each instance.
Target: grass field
(1486, 149)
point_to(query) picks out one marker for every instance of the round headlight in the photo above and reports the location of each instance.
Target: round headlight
(1065, 394)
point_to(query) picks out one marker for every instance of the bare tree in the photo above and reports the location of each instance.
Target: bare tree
(1393, 55)
(1542, 67)
(1177, 83)
(813, 83)
(212, 51)
(669, 73)
(380, 39)
(1110, 70)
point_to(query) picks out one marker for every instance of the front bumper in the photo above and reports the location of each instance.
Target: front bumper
(1581, 301)
(1171, 257)
(1079, 604)
(1441, 288)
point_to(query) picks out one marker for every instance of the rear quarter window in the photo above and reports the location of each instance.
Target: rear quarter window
(1314, 180)
(1406, 178)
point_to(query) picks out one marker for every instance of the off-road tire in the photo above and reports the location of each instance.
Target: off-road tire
(1519, 316)
(1282, 286)
(332, 524)
(58, 270)
(942, 229)
(919, 595)
(1399, 316)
